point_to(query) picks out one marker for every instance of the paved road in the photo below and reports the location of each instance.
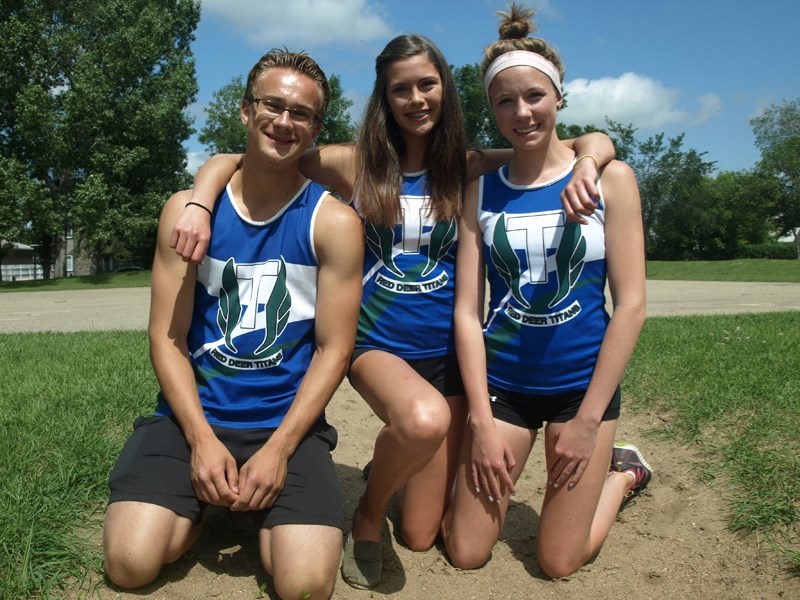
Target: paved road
(127, 308)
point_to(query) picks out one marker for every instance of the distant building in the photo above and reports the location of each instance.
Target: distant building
(18, 262)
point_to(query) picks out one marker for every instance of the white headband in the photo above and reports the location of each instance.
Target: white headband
(522, 58)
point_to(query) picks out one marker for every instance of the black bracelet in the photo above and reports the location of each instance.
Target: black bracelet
(205, 208)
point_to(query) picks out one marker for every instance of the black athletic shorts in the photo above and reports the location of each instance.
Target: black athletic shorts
(441, 372)
(531, 412)
(154, 467)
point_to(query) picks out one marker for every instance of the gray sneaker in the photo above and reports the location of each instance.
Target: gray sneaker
(627, 458)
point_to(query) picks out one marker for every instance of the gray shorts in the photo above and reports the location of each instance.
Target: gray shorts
(154, 467)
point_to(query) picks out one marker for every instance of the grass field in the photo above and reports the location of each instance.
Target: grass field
(730, 384)
(62, 284)
(66, 405)
(772, 271)
(67, 401)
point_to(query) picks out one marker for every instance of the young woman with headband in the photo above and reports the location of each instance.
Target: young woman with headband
(547, 352)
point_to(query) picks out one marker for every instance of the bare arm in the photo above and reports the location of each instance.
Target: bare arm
(192, 231)
(580, 195)
(340, 250)
(214, 473)
(333, 166)
(492, 458)
(626, 278)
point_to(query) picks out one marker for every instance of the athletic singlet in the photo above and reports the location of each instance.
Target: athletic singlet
(547, 277)
(408, 287)
(252, 333)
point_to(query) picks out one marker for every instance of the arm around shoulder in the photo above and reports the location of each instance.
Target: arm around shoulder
(333, 165)
(192, 230)
(579, 196)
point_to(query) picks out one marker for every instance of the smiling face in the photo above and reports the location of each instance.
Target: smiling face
(524, 102)
(414, 95)
(281, 139)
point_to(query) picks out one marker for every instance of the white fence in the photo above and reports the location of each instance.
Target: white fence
(21, 272)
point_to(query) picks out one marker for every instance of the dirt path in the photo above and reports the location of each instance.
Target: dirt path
(671, 544)
(127, 308)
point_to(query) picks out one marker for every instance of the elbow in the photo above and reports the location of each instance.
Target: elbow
(632, 313)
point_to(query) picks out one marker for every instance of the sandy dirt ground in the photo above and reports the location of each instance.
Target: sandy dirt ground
(672, 543)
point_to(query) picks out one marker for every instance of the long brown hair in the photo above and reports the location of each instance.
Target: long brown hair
(381, 144)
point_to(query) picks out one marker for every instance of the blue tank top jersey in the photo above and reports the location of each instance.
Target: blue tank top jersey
(408, 296)
(252, 333)
(547, 277)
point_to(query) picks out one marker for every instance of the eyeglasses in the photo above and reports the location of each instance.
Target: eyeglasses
(273, 110)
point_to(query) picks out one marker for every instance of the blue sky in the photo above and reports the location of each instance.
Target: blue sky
(701, 67)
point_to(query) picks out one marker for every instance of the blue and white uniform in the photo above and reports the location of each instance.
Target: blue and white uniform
(251, 338)
(547, 278)
(408, 295)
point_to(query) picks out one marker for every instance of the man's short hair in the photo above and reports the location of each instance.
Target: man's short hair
(296, 61)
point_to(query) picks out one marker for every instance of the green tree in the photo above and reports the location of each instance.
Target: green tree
(666, 173)
(479, 123)
(223, 132)
(19, 196)
(777, 132)
(337, 127)
(692, 228)
(95, 96)
(566, 132)
(750, 199)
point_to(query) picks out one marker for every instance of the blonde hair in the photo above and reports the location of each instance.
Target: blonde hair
(515, 26)
(296, 61)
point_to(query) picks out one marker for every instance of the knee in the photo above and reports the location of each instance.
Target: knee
(417, 539)
(464, 553)
(425, 422)
(311, 584)
(559, 567)
(130, 572)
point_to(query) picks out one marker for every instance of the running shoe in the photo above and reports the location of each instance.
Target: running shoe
(626, 458)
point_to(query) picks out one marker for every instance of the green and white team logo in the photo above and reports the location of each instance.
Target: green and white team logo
(244, 289)
(533, 233)
(382, 241)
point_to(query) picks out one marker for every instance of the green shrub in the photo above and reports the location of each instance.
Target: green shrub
(774, 250)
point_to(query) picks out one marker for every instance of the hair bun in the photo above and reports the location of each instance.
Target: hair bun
(517, 23)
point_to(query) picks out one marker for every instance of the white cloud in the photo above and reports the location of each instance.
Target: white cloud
(195, 161)
(307, 23)
(545, 7)
(631, 98)
(710, 106)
